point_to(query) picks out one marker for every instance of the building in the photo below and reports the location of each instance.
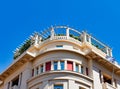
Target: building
(62, 58)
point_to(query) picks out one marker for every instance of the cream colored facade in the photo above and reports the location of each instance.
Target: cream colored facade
(65, 60)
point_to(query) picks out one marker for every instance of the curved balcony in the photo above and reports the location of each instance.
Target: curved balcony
(62, 33)
(60, 75)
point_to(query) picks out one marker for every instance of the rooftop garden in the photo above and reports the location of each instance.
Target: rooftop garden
(58, 32)
(23, 48)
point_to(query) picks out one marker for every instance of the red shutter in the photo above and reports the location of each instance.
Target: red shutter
(69, 65)
(48, 66)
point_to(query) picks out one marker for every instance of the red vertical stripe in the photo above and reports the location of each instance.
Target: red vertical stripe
(69, 65)
(48, 66)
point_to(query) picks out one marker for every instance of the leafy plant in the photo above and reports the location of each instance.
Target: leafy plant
(23, 48)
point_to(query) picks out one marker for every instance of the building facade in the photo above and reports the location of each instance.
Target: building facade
(62, 58)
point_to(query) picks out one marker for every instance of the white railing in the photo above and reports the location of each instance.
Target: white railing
(59, 37)
(74, 40)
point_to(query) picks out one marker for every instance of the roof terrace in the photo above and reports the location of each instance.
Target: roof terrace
(67, 33)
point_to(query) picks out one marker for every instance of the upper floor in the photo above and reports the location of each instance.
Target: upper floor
(63, 38)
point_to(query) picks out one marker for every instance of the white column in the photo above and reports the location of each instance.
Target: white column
(52, 65)
(43, 67)
(84, 70)
(79, 68)
(74, 66)
(67, 33)
(90, 69)
(39, 68)
(71, 84)
(59, 65)
(65, 64)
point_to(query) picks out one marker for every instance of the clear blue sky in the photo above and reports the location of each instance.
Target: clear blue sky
(20, 18)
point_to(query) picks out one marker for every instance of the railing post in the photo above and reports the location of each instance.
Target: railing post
(84, 37)
(89, 39)
(40, 39)
(67, 32)
(36, 39)
(107, 50)
(110, 52)
(52, 33)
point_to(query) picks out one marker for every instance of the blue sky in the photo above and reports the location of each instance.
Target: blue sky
(20, 18)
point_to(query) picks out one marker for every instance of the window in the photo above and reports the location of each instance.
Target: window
(115, 82)
(77, 68)
(87, 71)
(82, 70)
(107, 78)
(15, 81)
(48, 66)
(55, 65)
(58, 86)
(37, 71)
(62, 65)
(32, 72)
(70, 65)
(81, 88)
(8, 86)
(41, 68)
(59, 46)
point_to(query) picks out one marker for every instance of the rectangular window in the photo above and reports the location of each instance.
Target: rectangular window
(59, 46)
(37, 71)
(15, 81)
(70, 65)
(55, 65)
(82, 70)
(77, 68)
(87, 73)
(8, 86)
(58, 86)
(41, 68)
(115, 82)
(32, 72)
(62, 65)
(81, 88)
(48, 66)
